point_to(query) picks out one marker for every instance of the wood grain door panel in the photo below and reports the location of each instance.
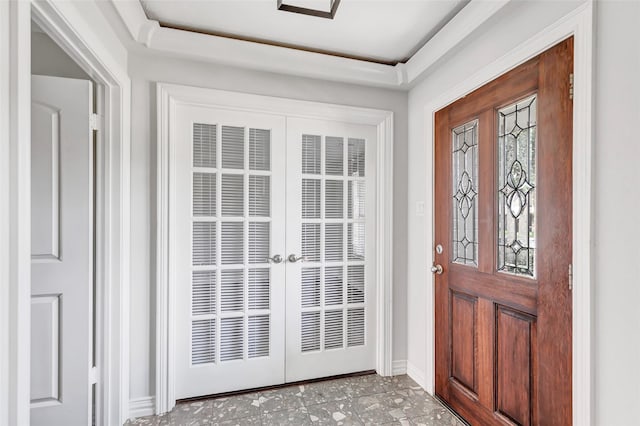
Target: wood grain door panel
(503, 337)
(515, 340)
(463, 342)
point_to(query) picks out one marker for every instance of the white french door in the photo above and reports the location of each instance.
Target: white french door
(272, 225)
(230, 219)
(330, 214)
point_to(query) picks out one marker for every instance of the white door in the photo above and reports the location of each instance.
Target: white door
(62, 251)
(330, 220)
(228, 219)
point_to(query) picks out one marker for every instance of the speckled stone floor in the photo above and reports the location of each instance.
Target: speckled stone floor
(363, 400)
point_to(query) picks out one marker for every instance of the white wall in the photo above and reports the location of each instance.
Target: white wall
(145, 70)
(617, 203)
(616, 180)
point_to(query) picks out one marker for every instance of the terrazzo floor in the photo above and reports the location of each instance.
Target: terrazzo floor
(362, 400)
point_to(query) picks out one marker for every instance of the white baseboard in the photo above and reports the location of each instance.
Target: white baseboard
(140, 407)
(416, 374)
(399, 367)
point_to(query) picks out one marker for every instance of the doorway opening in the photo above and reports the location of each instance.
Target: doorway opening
(64, 298)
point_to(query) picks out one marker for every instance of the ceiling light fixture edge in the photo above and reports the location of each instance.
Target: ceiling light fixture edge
(310, 12)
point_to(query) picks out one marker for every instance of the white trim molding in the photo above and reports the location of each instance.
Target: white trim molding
(246, 54)
(399, 367)
(15, 212)
(578, 24)
(168, 95)
(384, 245)
(472, 16)
(140, 407)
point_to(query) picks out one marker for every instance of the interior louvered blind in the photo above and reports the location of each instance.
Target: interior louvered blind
(333, 242)
(203, 340)
(259, 289)
(204, 145)
(204, 194)
(204, 292)
(230, 242)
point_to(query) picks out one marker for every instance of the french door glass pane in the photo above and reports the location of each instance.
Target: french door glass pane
(232, 290)
(204, 194)
(203, 292)
(259, 149)
(204, 144)
(311, 198)
(258, 344)
(260, 196)
(259, 289)
(334, 156)
(516, 187)
(232, 147)
(203, 341)
(311, 154)
(356, 200)
(231, 338)
(356, 157)
(232, 195)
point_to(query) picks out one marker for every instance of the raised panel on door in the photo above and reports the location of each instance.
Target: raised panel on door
(228, 220)
(503, 218)
(45, 173)
(45, 347)
(62, 251)
(515, 358)
(463, 342)
(331, 191)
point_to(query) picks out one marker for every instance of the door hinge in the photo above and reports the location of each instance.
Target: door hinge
(570, 276)
(571, 86)
(93, 375)
(95, 121)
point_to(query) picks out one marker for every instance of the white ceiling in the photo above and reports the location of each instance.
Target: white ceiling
(387, 31)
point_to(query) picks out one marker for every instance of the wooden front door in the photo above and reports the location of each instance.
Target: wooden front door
(504, 241)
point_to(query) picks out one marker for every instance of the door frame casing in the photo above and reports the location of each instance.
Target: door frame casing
(578, 24)
(168, 96)
(67, 27)
(15, 214)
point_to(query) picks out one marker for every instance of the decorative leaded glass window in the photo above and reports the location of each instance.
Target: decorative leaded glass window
(516, 187)
(465, 193)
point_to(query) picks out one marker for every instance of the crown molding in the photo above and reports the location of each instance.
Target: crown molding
(470, 18)
(284, 60)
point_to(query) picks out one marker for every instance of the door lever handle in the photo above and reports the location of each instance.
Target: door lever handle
(275, 259)
(293, 258)
(437, 269)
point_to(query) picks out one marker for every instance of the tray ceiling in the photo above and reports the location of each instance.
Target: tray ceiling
(385, 31)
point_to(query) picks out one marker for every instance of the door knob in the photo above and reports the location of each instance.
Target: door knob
(275, 259)
(293, 258)
(437, 269)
